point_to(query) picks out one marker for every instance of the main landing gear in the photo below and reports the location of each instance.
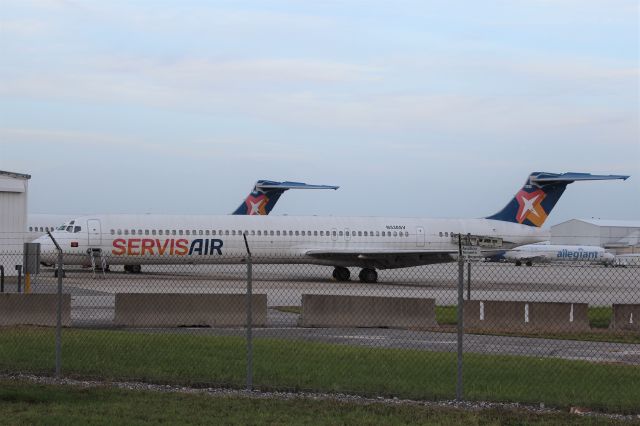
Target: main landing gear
(367, 275)
(133, 269)
(341, 273)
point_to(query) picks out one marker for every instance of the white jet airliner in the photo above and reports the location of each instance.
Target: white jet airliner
(530, 253)
(369, 243)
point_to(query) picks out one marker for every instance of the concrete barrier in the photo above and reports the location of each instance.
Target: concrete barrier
(366, 311)
(177, 310)
(33, 309)
(499, 315)
(626, 317)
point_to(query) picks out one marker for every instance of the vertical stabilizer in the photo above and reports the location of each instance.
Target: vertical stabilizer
(540, 193)
(265, 195)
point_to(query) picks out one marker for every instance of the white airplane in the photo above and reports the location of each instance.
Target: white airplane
(369, 243)
(261, 200)
(545, 253)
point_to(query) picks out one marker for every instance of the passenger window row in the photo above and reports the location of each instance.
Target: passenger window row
(70, 228)
(259, 233)
(40, 229)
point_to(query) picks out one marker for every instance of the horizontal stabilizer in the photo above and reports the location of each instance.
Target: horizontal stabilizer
(546, 178)
(267, 184)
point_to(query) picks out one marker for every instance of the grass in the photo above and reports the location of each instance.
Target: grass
(289, 309)
(447, 315)
(298, 365)
(24, 403)
(599, 316)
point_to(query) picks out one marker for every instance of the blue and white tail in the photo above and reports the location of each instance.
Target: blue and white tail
(540, 193)
(265, 195)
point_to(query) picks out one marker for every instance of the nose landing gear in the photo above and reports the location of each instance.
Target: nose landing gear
(133, 269)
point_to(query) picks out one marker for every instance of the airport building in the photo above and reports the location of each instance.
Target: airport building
(13, 218)
(619, 236)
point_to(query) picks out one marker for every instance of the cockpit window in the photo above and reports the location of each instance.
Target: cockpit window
(69, 228)
(77, 229)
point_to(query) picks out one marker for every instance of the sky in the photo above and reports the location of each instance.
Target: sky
(415, 108)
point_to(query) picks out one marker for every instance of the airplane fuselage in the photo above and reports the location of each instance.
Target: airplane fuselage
(161, 239)
(559, 253)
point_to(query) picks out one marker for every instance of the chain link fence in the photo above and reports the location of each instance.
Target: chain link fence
(553, 333)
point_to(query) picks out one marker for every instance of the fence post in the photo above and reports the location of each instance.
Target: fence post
(469, 281)
(459, 382)
(249, 316)
(59, 319)
(1, 279)
(19, 269)
(58, 309)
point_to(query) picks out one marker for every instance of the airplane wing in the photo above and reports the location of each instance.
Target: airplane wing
(383, 258)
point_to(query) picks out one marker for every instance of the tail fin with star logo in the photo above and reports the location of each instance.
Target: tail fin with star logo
(540, 193)
(265, 195)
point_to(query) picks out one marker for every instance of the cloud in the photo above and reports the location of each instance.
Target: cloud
(202, 71)
(230, 147)
(22, 27)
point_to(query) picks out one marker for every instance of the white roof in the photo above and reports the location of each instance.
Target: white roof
(611, 222)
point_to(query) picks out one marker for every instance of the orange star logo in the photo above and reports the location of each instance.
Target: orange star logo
(257, 205)
(530, 207)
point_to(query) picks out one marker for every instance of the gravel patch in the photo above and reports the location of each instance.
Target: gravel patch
(318, 396)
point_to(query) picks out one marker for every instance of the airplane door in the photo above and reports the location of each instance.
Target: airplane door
(95, 232)
(420, 236)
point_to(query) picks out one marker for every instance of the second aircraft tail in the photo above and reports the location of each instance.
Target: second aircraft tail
(540, 193)
(265, 195)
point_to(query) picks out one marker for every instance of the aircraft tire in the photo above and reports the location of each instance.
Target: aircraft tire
(518, 263)
(136, 269)
(341, 273)
(368, 275)
(529, 263)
